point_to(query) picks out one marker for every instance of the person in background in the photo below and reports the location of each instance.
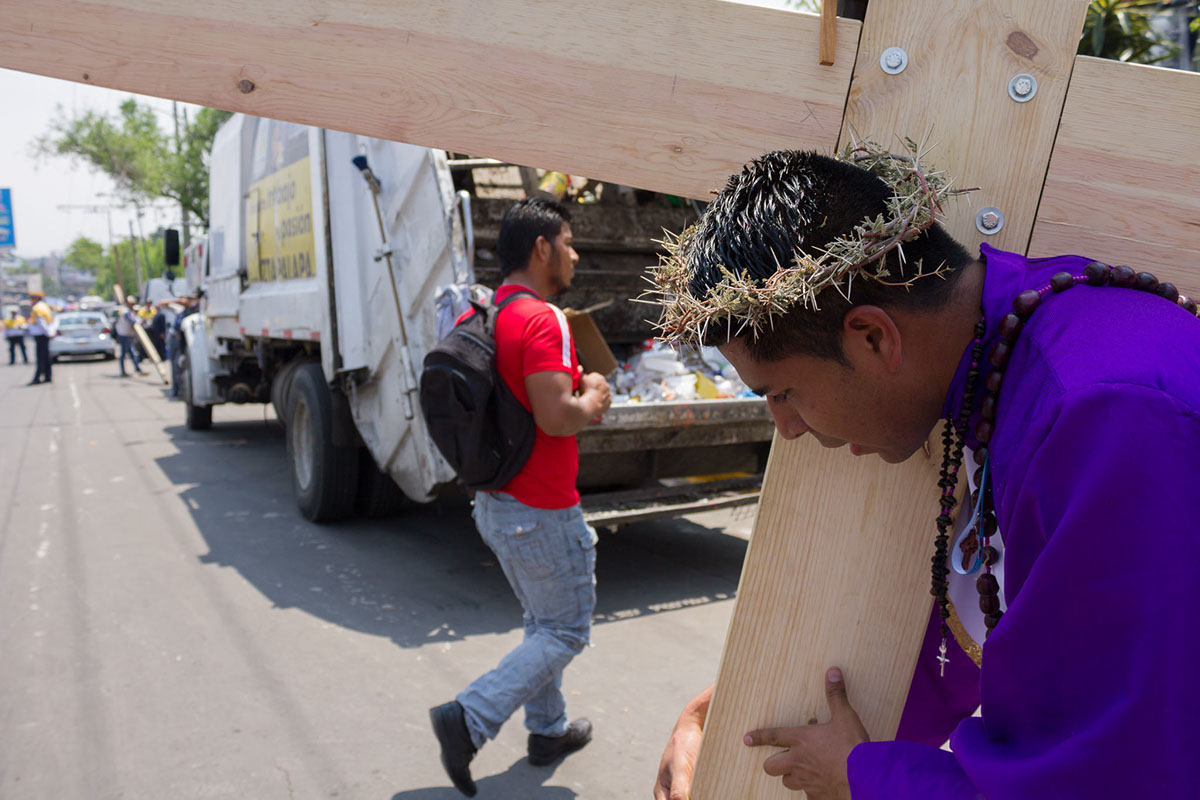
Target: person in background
(125, 333)
(175, 343)
(535, 523)
(156, 329)
(40, 319)
(14, 334)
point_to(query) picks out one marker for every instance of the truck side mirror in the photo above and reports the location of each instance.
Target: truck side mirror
(171, 247)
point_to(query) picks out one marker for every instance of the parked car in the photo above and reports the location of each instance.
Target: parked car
(81, 333)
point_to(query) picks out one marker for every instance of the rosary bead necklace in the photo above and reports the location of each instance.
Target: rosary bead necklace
(975, 549)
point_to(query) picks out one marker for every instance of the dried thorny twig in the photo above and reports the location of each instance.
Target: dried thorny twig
(743, 304)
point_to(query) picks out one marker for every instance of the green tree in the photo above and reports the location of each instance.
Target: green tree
(90, 255)
(1121, 30)
(187, 172)
(85, 254)
(138, 156)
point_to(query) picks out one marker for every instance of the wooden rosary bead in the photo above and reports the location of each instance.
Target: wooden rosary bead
(1027, 302)
(1097, 273)
(1010, 327)
(998, 358)
(993, 381)
(984, 430)
(991, 556)
(989, 604)
(992, 620)
(1167, 291)
(987, 584)
(1122, 277)
(987, 408)
(989, 525)
(1062, 281)
(981, 455)
(1145, 282)
(977, 476)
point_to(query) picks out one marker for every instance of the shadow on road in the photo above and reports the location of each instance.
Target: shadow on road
(422, 577)
(518, 781)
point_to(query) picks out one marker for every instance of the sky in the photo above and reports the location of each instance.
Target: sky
(42, 186)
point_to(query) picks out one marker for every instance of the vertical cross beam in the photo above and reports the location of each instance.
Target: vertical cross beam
(837, 572)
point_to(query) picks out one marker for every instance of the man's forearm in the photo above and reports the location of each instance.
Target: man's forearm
(581, 411)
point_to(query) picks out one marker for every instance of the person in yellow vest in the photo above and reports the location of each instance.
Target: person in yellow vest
(14, 334)
(40, 319)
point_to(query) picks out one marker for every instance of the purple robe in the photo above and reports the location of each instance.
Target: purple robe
(1090, 685)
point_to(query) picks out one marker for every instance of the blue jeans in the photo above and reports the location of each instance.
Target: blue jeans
(15, 343)
(128, 348)
(549, 558)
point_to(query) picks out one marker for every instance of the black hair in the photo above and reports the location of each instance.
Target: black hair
(523, 223)
(789, 201)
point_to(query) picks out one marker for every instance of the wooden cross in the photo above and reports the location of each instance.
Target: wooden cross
(674, 95)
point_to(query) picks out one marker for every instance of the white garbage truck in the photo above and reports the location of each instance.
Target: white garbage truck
(321, 275)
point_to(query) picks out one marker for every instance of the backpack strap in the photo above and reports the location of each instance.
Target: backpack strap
(497, 308)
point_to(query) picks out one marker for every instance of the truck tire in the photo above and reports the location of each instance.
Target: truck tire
(324, 476)
(199, 418)
(281, 390)
(378, 495)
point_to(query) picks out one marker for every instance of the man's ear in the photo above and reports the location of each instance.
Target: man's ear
(869, 331)
(542, 248)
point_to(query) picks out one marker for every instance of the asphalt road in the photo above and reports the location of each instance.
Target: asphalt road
(170, 627)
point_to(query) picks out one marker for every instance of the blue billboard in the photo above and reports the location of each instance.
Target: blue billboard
(8, 234)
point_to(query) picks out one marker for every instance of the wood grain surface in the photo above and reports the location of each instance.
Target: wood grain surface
(837, 573)
(670, 95)
(955, 89)
(1124, 180)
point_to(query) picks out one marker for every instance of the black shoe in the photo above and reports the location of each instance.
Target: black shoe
(545, 750)
(450, 727)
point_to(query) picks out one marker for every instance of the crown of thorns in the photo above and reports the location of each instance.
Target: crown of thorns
(745, 304)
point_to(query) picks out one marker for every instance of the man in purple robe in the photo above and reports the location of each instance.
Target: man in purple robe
(1088, 679)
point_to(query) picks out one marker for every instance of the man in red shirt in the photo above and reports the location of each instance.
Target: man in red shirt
(535, 524)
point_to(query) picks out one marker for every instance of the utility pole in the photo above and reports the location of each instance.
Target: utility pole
(183, 212)
(137, 269)
(142, 237)
(112, 249)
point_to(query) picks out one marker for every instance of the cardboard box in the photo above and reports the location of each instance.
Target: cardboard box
(593, 352)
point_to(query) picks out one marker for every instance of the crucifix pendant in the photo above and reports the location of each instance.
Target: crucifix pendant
(942, 657)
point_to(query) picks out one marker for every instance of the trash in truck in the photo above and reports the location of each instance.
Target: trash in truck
(661, 373)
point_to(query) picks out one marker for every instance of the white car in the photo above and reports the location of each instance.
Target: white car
(81, 333)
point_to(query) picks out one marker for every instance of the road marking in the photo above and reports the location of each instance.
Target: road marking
(74, 394)
(44, 546)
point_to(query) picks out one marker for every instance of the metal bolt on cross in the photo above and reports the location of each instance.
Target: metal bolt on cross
(1022, 88)
(893, 60)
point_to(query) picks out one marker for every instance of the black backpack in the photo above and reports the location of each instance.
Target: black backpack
(475, 420)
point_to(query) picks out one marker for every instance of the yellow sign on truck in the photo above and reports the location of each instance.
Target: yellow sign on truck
(279, 219)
